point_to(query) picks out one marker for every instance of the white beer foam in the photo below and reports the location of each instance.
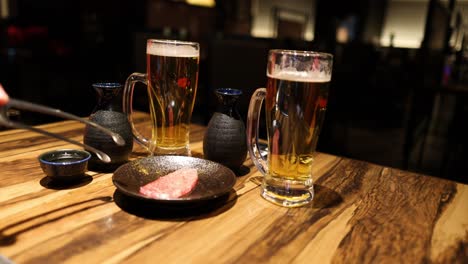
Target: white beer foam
(172, 50)
(291, 74)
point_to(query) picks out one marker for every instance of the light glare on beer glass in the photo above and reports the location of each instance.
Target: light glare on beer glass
(295, 104)
(172, 79)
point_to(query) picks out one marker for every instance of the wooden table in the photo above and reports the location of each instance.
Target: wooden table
(362, 213)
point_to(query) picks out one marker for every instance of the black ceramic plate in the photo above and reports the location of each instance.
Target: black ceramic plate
(214, 179)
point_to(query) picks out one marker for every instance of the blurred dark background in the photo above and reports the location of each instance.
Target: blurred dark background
(399, 87)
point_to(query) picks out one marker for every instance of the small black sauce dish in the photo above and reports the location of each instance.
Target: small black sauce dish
(65, 164)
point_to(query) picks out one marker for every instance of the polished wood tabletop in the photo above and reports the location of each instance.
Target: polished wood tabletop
(361, 213)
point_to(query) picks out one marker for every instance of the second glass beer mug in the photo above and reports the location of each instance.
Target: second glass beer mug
(295, 103)
(171, 78)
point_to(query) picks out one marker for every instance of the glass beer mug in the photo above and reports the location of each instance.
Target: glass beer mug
(295, 103)
(171, 79)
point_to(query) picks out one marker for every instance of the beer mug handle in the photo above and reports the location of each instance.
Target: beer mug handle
(128, 104)
(253, 121)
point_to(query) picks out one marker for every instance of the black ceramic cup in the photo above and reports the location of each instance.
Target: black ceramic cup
(65, 164)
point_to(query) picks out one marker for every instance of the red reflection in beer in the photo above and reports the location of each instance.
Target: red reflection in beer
(275, 142)
(170, 125)
(183, 82)
(322, 102)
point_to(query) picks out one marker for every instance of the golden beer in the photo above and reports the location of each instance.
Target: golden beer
(295, 103)
(171, 78)
(172, 88)
(295, 110)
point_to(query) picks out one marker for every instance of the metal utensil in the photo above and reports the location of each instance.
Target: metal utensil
(23, 105)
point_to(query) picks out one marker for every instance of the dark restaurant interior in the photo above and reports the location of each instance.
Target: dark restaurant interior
(399, 89)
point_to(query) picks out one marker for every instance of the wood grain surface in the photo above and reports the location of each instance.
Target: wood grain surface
(361, 213)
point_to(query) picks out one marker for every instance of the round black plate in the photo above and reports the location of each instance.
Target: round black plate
(214, 179)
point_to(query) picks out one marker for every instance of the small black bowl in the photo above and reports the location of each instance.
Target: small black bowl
(65, 164)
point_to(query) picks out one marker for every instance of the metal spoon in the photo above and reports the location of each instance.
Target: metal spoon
(19, 104)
